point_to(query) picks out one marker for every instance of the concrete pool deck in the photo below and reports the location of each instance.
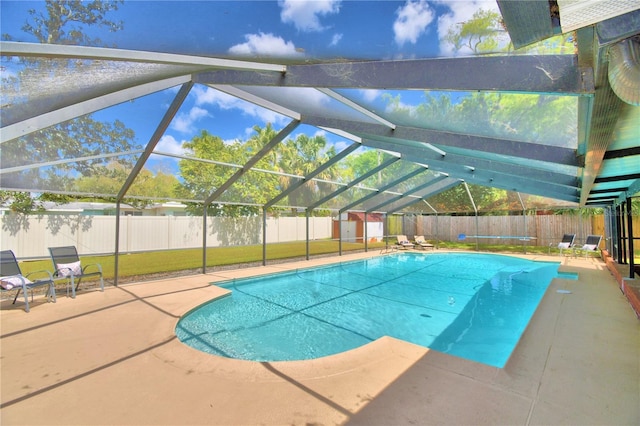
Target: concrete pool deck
(113, 358)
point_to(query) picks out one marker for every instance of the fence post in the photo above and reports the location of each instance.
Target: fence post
(204, 240)
(307, 238)
(364, 234)
(264, 236)
(340, 234)
(117, 246)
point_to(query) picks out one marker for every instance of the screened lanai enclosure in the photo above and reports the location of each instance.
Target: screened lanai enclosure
(321, 108)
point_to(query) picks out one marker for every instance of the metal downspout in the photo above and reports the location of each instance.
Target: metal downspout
(624, 232)
(631, 250)
(607, 231)
(612, 232)
(619, 241)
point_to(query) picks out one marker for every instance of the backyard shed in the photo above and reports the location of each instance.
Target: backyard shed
(353, 228)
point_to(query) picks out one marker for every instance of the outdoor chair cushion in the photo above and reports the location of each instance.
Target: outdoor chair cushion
(589, 247)
(66, 269)
(564, 245)
(8, 283)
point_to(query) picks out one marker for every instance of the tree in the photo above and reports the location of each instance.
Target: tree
(484, 33)
(65, 21)
(453, 200)
(360, 164)
(201, 179)
(357, 165)
(61, 22)
(20, 202)
(300, 157)
(80, 138)
(526, 117)
(265, 183)
(293, 157)
(477, 34)
(147, 186)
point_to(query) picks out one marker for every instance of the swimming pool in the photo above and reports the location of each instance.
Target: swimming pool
(475, 306)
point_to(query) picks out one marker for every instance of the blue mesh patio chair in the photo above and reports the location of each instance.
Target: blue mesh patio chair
(67, 264)
(12, 279)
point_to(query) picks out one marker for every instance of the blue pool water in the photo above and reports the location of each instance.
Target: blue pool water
(474, 306)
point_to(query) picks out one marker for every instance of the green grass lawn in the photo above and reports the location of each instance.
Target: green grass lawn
(171, 261)
(174, 261)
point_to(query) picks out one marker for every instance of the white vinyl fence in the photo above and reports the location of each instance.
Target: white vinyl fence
(30, 236)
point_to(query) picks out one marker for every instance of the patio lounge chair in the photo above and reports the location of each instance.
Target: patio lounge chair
(592, 245)
(567, 242)
(66, 264)
(422, 243)
(403, 243)
(11, 278)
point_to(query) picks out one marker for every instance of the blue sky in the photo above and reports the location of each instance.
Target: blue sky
(303, 30)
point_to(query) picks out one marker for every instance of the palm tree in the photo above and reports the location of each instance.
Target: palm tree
(300, 157)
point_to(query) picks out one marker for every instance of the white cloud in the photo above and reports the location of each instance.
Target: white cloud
(183, 122)
(412, 21)
(305, 14)
(460, 11)
(401, 106)
(341, 145)
(209, 96)
(169, 145)
(321, 133)
(335, 39)
(265, 45)
(370, 95)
